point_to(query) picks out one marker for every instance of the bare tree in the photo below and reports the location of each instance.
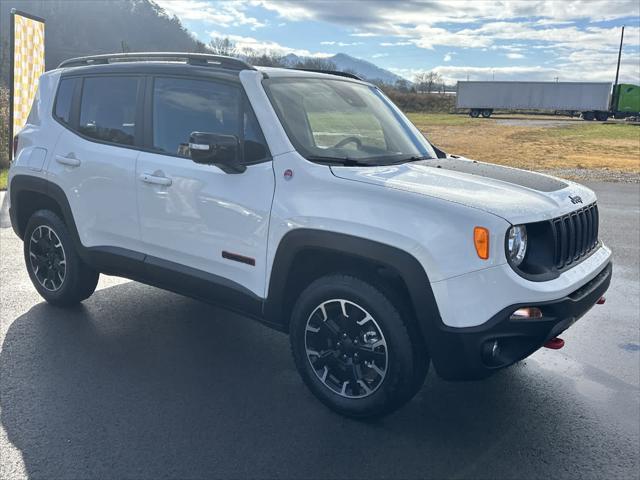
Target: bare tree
(315, 63)
(223, 46)
(402, 85)
(263, 59)
(427, 81)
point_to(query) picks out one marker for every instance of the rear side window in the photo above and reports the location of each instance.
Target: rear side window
(62, 109)
(108, 109)
(182, 106)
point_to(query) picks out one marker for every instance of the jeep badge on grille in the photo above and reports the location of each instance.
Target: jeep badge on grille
(575, 199)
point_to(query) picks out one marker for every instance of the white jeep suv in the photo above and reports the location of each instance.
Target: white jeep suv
(308, 201)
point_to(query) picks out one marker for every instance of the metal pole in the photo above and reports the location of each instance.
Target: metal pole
(12, 43)
(613, 99)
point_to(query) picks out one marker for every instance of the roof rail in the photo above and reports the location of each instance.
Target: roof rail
(330, 72)
(202, 59)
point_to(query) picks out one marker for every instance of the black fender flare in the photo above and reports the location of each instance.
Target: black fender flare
(406, 265)
(28, 183)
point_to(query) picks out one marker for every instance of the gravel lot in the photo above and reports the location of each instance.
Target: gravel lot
(141, 383)
(583, 175)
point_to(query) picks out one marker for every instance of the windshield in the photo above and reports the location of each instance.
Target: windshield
(336, 121)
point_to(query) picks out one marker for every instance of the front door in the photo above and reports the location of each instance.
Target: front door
(198, 216)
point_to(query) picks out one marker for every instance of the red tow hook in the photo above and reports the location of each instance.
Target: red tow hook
(554, 344)
(601, 300)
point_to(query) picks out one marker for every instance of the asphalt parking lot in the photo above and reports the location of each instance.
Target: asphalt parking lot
(141, 383)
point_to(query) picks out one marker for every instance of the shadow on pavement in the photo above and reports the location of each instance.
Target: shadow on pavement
(141, 383)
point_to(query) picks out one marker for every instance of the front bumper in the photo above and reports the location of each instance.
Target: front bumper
(461, 353)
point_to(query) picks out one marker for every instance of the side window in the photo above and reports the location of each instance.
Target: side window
(182, 106)
(64, 97)
(108, 109)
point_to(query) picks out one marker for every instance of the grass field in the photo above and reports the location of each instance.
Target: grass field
(535, 142)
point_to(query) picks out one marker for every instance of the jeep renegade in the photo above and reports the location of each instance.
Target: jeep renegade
(308, 201)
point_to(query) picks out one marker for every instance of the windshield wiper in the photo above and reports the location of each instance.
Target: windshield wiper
(413, 158)
(346, 161)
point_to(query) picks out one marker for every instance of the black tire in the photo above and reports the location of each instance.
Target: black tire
(602, 116)
(588, 116)
(486, 113)
(474, 113)
(406, 362)
(60, 285)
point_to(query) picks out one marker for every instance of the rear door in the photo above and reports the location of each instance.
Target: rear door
(197, 216)
(95, 156)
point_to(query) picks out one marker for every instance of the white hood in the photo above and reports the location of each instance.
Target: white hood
(518, 196)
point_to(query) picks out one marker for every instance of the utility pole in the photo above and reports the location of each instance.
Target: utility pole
(613, 100)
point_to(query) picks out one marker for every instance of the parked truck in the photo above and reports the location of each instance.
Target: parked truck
(626, 101)
(591, 99)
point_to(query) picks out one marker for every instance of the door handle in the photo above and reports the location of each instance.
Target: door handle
(70, 162)
(156, 180)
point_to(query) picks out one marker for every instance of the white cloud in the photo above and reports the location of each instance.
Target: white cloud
(364, 34)
(447, 58)
(341, 44)
(578, 67)
(373, 14)
(223, 14)
(250, 43)
(395, 44)
(379, 55)
(514, 56)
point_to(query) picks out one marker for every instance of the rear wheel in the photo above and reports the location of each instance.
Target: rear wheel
(56, 271)
(474, 113)
(486, 113)
(588, 116)
(353, 349)
(602, 116)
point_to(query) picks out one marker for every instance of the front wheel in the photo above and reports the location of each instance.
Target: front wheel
(353, 347)
(57, 272)
(474, 113)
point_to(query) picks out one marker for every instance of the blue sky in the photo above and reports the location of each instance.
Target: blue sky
(506, 40)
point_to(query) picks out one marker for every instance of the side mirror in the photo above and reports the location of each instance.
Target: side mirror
(223, 151)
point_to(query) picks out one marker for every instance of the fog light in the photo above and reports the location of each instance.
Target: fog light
(526, 313)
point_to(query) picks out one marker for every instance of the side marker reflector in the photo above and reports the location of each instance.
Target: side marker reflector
(601, 300)
(554, 344)
(481, 242)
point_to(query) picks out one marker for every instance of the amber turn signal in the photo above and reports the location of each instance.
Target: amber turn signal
(481, 241)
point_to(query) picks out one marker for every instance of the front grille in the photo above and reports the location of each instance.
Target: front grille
(576, 235)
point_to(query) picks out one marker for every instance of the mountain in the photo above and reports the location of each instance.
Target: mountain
(364, 69)
(344, 62)
(76, 28)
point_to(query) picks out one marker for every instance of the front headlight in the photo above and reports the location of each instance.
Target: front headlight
(517, 244)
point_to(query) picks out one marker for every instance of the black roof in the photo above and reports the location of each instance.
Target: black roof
(168, 62)
(201, 59)
(153, 68)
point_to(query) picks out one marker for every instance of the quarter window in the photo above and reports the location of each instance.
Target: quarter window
(108, 109)
(63, 100)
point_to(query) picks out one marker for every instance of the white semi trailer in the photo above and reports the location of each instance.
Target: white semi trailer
(591, 99)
